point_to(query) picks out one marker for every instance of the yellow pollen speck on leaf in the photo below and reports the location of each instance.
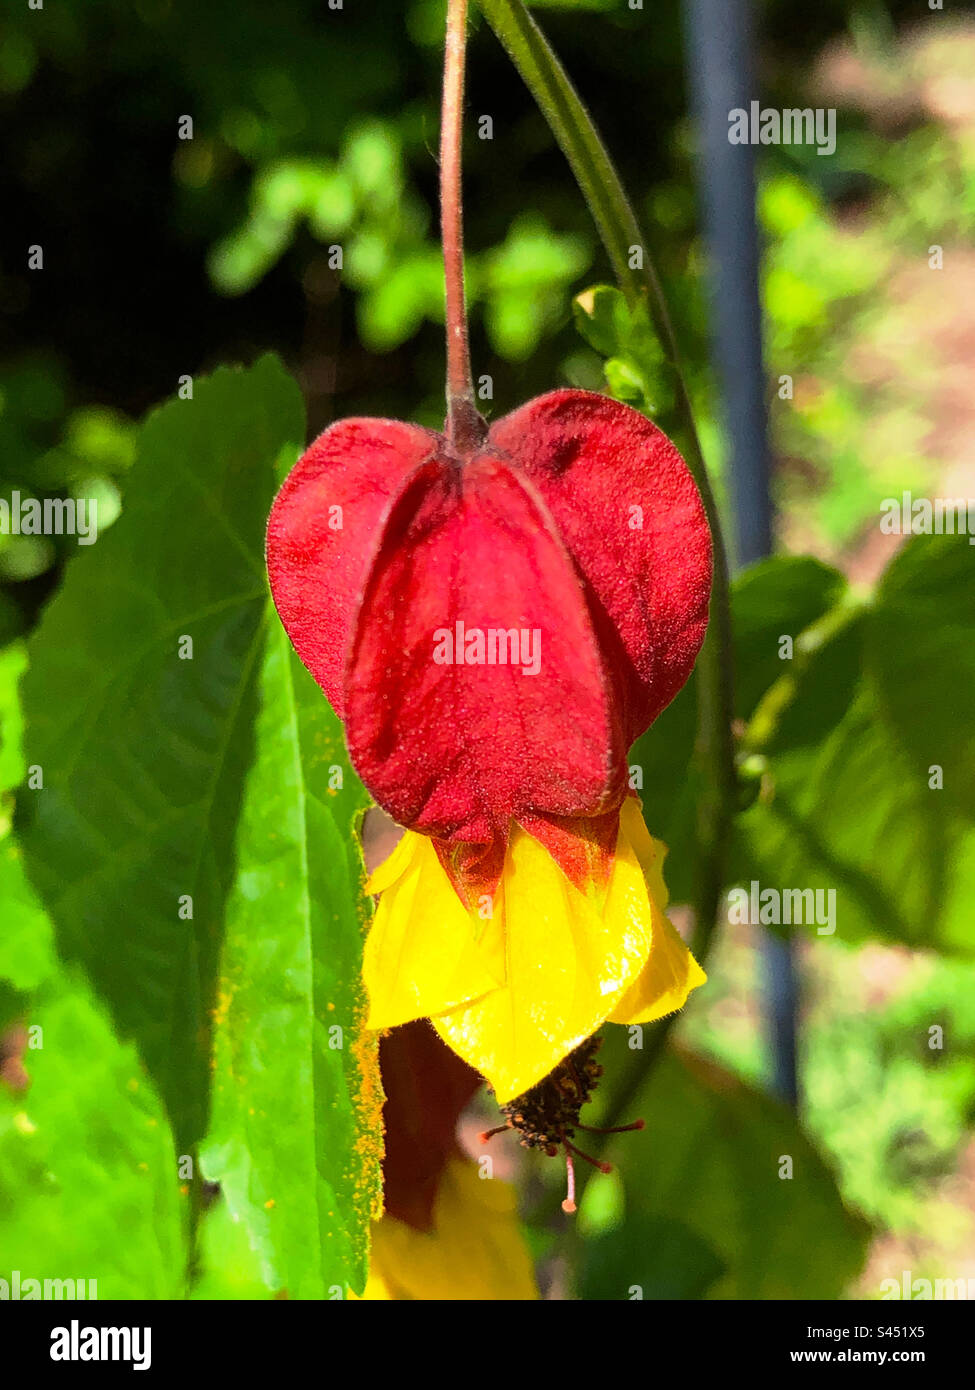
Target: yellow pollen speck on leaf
(221, 1008)
(369, 1098)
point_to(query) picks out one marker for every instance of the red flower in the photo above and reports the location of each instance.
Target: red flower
(495, 629)
(495, 624)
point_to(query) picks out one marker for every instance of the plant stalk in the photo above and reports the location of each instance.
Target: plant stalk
(464, 427)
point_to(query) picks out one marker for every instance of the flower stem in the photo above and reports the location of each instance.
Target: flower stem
(465, 427)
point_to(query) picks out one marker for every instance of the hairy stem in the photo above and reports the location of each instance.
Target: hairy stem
(465, 428)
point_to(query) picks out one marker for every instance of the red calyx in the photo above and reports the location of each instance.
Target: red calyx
(494, 630)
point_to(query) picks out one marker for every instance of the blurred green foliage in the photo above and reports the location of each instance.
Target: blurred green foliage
(890, 1099)
(740, 1206)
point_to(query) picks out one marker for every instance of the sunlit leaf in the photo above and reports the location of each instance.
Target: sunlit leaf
(724, 1197)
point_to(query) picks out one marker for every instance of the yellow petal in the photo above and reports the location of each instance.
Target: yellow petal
(394, 866)
(567, 966)
(424, 952)
(651, 853)
(376, 1290)
(475, 1250)
(671, 972)
(664, 982)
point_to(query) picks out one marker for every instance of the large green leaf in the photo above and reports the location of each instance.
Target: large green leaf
(12, 663)
(13, 660)
(921, 657)
(89, 1185)
(851, 822)
(707, 1211)
(27, 952)
(27, 955)
(847, 805)
(194, 841)
(86, 1149)
(143, 753)
(294, 1140)
(775, 598)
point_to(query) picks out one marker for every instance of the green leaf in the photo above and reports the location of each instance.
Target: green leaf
(602, 318)
(624, 381)
(922, 659)
(229, 1268)
(674, 1263)
(855, 821)
(240, 260)
(27, 951)
(88, 1173)
(26, 942)
(523, 284)
(851, 727)
(86, 1148)
(13, 662)
(775, 598)
(392, 310)
(194, 841)
(144, 754)
(573, 4)
(707, 1212)
(622, 334)
(293, 1140)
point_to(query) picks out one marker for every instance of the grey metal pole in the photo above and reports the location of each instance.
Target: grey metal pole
(719, 48)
